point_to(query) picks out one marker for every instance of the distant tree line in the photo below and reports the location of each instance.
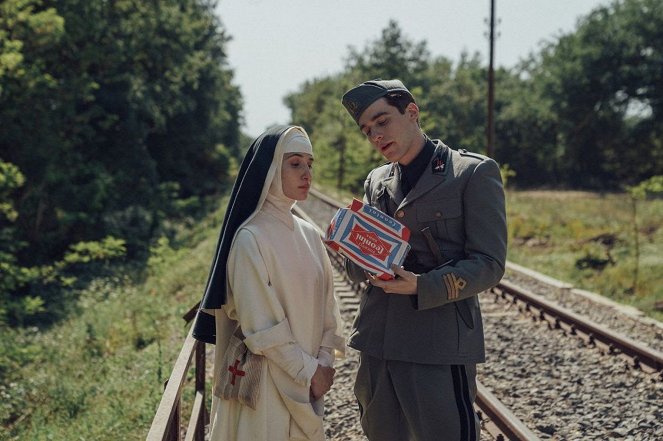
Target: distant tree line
(584, 112)
(119, 116)
(114, 116)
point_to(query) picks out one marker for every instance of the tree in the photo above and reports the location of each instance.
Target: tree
(584, 112)
(12, 275)
(526, 129)
(453, 106)
(107, 107)
(342, 154)
(605, 86)
(391, 56)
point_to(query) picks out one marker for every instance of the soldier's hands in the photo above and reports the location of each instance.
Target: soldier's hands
(322, 380)
(405, 282)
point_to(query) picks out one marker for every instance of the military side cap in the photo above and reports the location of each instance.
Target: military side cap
(357, 99)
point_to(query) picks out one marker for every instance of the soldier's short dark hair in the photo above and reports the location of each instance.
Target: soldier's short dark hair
(399, 100)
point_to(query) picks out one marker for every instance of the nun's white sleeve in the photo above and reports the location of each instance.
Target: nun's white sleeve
(260, 313)
(333, 343)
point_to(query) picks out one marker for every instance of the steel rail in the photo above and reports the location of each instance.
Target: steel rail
(640, 355)
(326, 199)
(507, 424)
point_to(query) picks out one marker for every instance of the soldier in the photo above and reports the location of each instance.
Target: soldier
(421, 335)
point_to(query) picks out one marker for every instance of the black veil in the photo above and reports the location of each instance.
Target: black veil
(247, 194)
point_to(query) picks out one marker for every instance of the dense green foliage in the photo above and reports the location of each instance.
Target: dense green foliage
(99, 373)
(118, 119)
(116, 116)
(604, 84)
(585, 112)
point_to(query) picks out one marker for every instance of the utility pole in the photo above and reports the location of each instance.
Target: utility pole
(490, 130)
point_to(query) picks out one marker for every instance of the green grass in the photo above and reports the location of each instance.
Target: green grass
(99, 374)
(588, 240)
(555, 231)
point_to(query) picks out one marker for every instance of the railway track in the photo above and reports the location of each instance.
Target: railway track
(528, 391)
(593, 334)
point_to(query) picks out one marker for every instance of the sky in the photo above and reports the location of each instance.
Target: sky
(277, 45)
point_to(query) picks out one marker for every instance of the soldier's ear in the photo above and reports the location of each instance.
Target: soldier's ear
(412, 111)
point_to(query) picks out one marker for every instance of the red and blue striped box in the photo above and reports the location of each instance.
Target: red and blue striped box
(369, 237)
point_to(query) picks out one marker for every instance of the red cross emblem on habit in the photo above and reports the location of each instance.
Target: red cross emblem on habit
(236, 372)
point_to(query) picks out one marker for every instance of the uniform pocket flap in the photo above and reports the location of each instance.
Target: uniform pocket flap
(443, 209)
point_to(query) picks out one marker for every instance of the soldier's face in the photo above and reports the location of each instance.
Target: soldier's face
(395, 135)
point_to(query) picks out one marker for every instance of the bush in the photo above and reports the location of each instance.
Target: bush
(24, 291)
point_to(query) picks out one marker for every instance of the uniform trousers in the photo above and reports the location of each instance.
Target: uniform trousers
(403, 401)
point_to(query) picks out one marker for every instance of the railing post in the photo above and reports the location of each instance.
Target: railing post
(200, 387)
(176, 423)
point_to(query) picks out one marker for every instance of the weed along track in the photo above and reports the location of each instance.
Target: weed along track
(554, 382)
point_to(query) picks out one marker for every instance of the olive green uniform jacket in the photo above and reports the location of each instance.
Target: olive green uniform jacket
(456, 213)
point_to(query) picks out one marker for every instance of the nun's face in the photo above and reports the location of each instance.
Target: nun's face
(296, 175)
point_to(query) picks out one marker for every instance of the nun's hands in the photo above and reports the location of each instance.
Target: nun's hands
(322, 380)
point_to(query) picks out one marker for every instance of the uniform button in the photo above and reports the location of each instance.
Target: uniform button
(400, 213)
(438, 214)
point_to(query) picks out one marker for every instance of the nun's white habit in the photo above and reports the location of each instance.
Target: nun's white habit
(279, 288)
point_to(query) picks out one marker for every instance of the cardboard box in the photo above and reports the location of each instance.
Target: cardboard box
(369, 238)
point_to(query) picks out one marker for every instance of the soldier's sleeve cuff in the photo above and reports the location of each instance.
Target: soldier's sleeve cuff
(430, 292)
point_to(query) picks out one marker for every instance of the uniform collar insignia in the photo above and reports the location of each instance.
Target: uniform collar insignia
(438, 164)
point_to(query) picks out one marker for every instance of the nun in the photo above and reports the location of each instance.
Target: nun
(269, 306)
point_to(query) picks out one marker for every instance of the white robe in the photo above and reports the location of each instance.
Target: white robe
(280, 289)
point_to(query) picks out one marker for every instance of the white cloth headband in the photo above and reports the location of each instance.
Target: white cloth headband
(298, 143)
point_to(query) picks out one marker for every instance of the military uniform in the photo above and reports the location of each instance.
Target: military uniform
(417, 373)
(456, 216)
